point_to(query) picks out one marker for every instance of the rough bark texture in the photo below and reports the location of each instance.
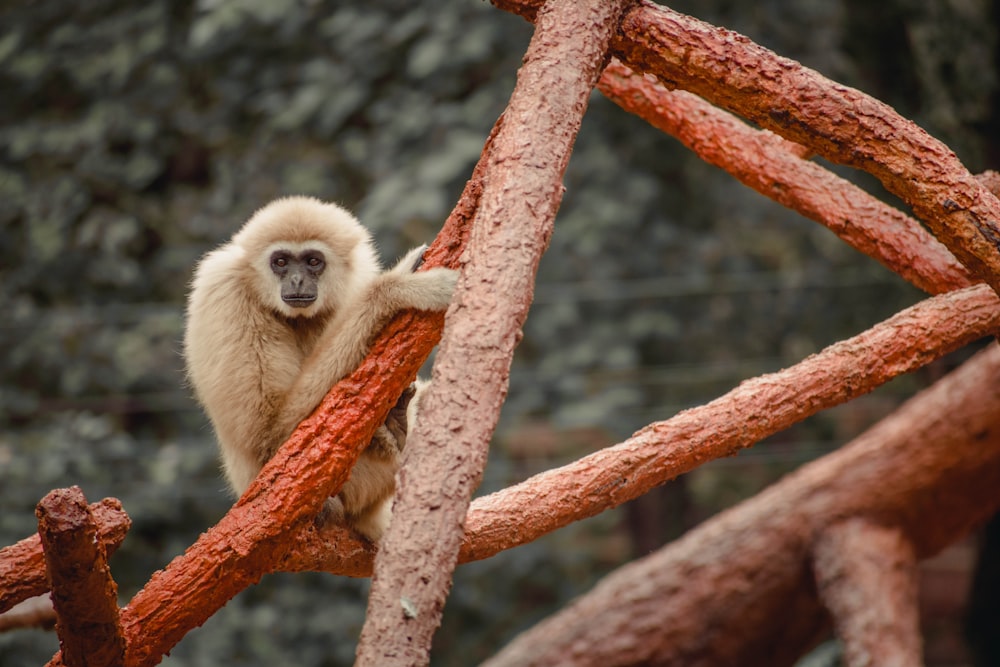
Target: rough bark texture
(443, 464)
(84, 595)
(866, 574)
(840, 123)
(520, 194)
(738, 589)
(754, 410)
(22, 565)
(775, 168)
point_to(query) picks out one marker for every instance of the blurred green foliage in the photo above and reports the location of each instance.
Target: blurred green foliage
(134, 137)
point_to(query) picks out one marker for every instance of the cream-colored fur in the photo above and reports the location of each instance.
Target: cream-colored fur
(260, 366)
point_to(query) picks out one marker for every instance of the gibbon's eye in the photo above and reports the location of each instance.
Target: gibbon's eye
(279, 262)
(314, 261)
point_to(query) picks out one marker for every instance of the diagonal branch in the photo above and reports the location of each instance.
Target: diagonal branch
(754, 410)
(444, 460)
(866, 574)
(769, 164)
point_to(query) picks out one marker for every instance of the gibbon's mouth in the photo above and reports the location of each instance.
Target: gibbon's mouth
(299, 300)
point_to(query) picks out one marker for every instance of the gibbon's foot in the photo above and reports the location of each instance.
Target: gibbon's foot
(397, 421)
(332, 514)
(370, 524)
(390, 438)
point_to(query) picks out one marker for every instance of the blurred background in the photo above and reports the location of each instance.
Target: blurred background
(134, 137)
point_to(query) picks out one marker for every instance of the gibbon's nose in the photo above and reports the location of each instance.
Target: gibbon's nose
(297, 290)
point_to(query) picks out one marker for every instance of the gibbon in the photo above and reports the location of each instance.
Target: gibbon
(277, 316)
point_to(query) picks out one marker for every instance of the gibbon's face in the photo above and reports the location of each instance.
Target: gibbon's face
(299, 275)
(306, 257)
(297, 271)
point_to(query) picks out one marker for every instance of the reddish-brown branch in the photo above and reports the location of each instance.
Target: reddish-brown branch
(444, 461)
(754, 410)
(84, 595)
(738, 589)
(22, 565)
(866, 574)
(772, 166)
(840, 123)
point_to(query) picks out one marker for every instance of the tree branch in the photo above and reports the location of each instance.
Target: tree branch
(84, 595)
(754, 410)
(840, 123)
(22, 565)
(444, 460)
(867, 577)
(771, 166)
(738, 588)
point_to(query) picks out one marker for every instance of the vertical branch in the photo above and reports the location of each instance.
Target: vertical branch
(22, 565)
(84, 595)
(444, 463)
(867, 578)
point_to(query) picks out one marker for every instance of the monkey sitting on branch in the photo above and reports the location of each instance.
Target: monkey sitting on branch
(277, 316)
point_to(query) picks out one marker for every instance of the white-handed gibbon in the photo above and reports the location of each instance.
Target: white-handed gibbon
(277, 316)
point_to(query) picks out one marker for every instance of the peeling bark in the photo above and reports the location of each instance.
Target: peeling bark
(738, 589)
(84, 595)
(22, 565)
(444, 460)
(866, 574)
(840, 123)
(775, 168)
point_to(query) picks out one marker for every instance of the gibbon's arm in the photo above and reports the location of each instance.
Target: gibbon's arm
(347, 338)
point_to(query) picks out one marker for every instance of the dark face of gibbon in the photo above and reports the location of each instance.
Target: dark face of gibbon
(299, 275)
